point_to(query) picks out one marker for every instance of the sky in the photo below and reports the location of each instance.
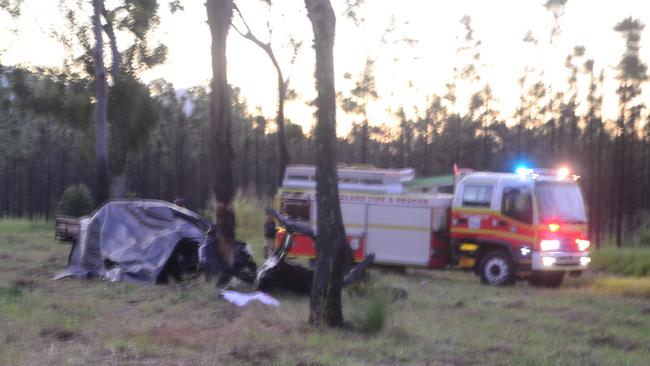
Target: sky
(405, 75)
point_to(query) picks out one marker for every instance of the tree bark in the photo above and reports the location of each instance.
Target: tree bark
(219, 16)
(101, 109)
(331, 246)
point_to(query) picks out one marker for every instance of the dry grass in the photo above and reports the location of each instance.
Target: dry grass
(448, 318)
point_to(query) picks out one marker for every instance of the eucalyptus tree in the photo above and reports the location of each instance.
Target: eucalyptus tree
(357, 102)
(568, 111)
(594, 136)
(282, 84)
(124, 110)
(220, 14)
(333, 252)
(101, 107)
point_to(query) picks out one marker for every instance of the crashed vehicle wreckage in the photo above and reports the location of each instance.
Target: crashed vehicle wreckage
(281, 272)
(147, 241)
(151, 241)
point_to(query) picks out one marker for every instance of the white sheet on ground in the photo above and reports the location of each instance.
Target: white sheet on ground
(241, 299)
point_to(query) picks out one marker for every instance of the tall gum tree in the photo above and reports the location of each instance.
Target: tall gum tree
(130, 111)
(101, 108)
(332, 250)
(219, 18)
(283, 84)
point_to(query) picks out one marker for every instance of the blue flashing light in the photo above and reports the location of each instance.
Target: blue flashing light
(522, 170)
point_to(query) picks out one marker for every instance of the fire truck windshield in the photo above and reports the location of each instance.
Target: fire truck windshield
(560, 201)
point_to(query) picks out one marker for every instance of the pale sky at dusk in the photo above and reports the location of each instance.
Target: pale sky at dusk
(427, 65)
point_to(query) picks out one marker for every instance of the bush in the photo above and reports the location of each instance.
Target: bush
(624, 261)
(76, 201)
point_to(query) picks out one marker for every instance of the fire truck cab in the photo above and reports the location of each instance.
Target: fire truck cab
(531, 224)
(528, 225)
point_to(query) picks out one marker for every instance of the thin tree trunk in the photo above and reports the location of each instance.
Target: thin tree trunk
(101, 109)
(180, 152)
(364, 141)
(119, 179)
(620, 162)
(599, 180)
(219, 16)
(283, 152)
(331, 246)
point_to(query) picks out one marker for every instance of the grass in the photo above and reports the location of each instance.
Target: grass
(630, 286)
(447, 317)
(634, 261)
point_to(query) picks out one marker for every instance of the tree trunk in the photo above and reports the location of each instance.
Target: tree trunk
(219, 16)
(119, 177)
(180, 151)
(599, 179)
(283, 151)
(364, 141)
(331, 246)
(101, 109)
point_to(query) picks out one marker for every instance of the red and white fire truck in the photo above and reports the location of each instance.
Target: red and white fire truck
(504, 226)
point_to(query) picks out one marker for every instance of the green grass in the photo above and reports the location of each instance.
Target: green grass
(633, 261)
(21, 226)
(448, 318)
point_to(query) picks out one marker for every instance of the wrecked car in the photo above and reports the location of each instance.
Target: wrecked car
(281, 272)
(147, 241)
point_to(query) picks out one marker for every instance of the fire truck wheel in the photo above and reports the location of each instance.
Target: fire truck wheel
(497, 269)
(546, 279)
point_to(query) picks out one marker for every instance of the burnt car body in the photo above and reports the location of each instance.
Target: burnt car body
(147, 241)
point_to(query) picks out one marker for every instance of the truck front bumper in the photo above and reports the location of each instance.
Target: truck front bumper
(560, 261)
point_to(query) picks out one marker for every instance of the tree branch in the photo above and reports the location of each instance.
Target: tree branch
(266, 47)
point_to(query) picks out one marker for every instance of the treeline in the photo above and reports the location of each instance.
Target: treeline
(161, 137)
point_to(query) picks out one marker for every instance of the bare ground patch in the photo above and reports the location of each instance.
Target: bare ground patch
(614, 342)
(61, 334)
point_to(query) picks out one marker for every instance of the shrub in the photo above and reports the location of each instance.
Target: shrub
(375, 310)
(75, 201)
(624, 261)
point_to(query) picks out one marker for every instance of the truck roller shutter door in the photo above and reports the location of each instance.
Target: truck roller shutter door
(399, 235)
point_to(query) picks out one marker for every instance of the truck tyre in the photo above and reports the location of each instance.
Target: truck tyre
(497, 269)
(546, 279)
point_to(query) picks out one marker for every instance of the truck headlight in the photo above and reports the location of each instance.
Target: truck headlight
(583, 244)
(585, 260)
(547, 245)
(548, 261)
(354, 244)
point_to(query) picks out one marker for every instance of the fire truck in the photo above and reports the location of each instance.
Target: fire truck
(530, 224)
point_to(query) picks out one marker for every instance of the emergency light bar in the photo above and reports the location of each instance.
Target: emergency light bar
(562, 173)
